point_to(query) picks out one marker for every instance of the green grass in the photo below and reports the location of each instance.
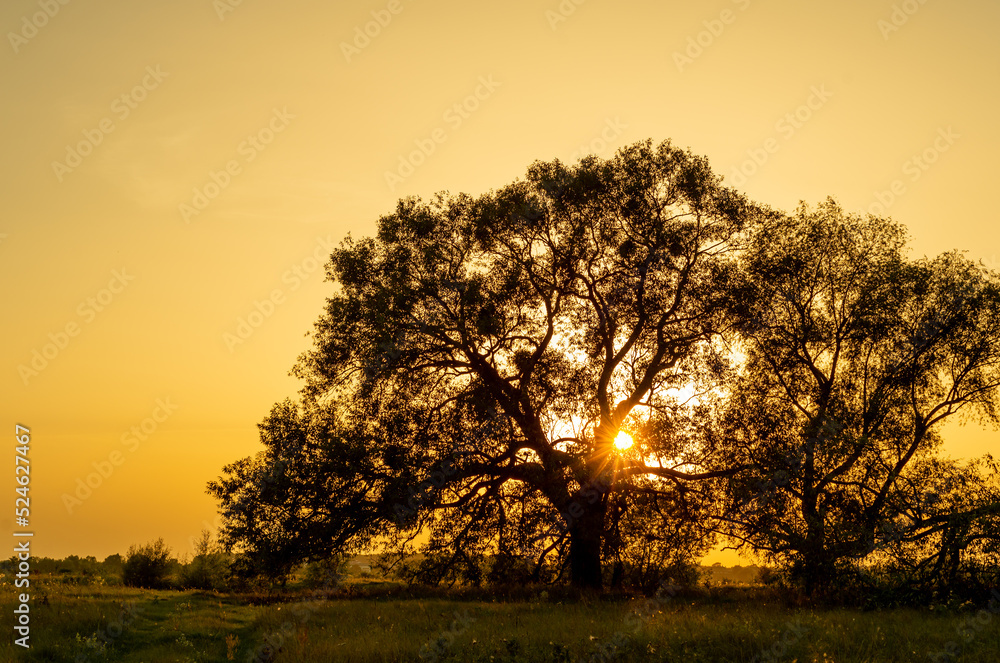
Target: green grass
(167, 626)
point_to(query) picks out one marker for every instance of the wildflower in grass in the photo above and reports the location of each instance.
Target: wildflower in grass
(232, 643)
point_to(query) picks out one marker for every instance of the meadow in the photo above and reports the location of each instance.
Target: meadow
(80, 619)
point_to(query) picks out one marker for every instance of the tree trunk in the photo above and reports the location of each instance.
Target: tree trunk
(585, 558)
(586, 517)
(814, 547)
(618, 575)
(586, 538)
(817, 566)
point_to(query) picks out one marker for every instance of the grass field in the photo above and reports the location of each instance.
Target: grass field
(93, 622)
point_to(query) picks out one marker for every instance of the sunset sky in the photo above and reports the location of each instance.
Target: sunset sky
(176, 173)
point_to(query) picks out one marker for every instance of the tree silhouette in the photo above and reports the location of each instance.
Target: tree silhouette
(478, 359)
(855, 356)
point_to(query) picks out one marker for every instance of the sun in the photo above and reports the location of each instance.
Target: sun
(623, 441)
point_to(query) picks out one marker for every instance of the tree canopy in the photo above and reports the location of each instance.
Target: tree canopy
(855, 356)
(481, 355)
(588, 373)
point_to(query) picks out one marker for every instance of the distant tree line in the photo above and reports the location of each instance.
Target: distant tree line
(153, 566)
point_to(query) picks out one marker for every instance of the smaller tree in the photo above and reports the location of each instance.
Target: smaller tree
(855, 358)
(113, 563)
(147, 566)
(324, 573)
(209, 569)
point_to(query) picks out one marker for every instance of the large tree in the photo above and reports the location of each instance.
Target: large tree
(481, 355)
(855, 357)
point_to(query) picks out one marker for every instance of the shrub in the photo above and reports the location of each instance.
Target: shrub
(326, 572)
(210, 567)
(147, 566)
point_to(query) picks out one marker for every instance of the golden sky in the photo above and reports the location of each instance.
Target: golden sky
(171, 169)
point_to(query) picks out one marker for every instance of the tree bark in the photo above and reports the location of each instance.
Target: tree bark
(585, 558)
(586, 539)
